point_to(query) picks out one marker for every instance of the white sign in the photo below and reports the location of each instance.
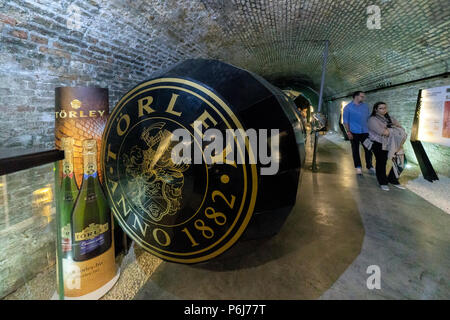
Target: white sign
(434, 117)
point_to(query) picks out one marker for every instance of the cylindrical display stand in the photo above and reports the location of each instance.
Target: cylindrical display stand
(86, 246)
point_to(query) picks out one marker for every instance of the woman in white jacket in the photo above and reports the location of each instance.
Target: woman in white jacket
(378, 124)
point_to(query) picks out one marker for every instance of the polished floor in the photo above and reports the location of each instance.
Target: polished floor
(341, 225)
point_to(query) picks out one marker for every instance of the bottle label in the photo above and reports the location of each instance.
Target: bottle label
(91, 237)
(68, 197)
(66, 239)
(91, 197)
(91, 232)
(91, 244)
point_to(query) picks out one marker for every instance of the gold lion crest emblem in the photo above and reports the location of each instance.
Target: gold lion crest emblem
(156, 182)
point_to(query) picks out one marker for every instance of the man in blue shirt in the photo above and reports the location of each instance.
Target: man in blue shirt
(356, 114)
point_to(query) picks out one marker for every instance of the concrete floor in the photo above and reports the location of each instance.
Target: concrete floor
(340, 225)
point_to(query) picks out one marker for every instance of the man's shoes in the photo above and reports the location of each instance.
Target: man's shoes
(384, 187)
(372, 171)
(399, 186)
(358, 171)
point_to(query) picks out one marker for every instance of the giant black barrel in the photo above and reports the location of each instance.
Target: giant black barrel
(193, 211)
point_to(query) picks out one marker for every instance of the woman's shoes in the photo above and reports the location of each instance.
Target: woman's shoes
(385, 187)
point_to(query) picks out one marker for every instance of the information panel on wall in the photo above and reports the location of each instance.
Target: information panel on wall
(434, 118)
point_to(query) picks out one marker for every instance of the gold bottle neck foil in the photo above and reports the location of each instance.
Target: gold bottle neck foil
(67, 144)
(89, 157)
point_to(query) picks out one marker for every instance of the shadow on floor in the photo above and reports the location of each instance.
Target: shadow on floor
(325, 167)
(320, 239)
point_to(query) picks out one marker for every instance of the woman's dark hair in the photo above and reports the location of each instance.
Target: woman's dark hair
(374, 112)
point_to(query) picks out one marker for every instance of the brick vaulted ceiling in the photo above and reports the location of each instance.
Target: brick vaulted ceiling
(284, 38)
(278, 39)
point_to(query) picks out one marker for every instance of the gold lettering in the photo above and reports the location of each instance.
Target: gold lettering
(143, 229)
(127, 120)
(219, 217)
(81, 114)
(230, 203)
(191, 238)
(166, 236)
(124, 207)
(114, 185)
(92, 231)
(205, 116)
(145, 106)
(223, 157)
(172, 104)
(110, 154)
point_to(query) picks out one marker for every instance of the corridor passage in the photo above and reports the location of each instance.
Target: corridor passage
(341, 225)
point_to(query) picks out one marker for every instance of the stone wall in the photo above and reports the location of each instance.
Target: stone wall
(401, 103)
(46, 44)
(118, 43)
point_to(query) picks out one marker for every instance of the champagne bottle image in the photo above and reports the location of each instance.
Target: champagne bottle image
(91, 217)
(68, 196)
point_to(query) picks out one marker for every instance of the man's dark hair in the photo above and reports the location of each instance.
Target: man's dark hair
(356, 93)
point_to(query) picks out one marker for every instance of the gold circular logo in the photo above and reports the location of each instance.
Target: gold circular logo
(75, 104)
(184, 212)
